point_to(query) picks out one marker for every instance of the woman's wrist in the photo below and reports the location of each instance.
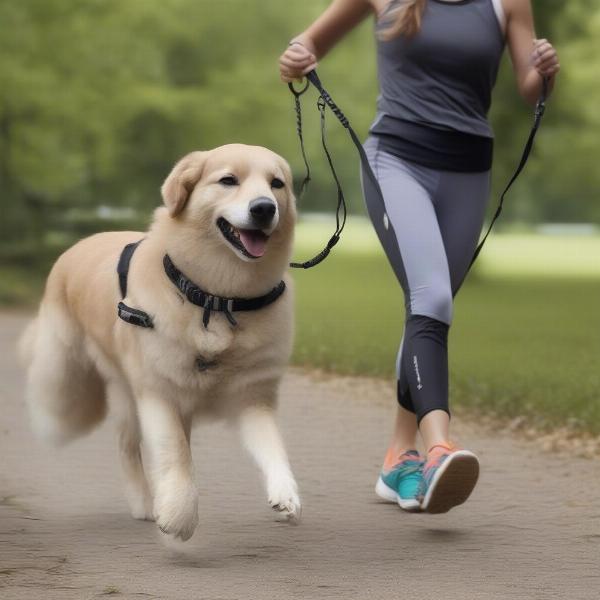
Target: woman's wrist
(532, 87)
(305, 42)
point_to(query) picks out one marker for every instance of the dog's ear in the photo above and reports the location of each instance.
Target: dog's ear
(289, 180)
(287, 171)
(181, 181)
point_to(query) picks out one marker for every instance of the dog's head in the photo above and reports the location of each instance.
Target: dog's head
(237, 196)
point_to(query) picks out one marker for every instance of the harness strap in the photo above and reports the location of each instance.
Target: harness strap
(123, 266)
(211, 302)
(133, 316)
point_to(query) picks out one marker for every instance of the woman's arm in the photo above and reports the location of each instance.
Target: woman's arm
(315, 42)
(532, 59)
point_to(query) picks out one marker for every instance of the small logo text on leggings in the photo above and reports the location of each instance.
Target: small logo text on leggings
(416, 363)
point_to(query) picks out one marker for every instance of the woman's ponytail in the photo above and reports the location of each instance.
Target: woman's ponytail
(403, 20)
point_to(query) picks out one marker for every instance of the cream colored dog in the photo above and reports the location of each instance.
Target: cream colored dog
(228, 226)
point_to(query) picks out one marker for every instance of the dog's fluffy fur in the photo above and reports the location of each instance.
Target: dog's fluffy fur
(81, 357)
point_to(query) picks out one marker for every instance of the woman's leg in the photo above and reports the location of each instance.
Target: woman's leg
(404, 437)
(460, 205)
(416, 252)
(450, 474)
(419, 203)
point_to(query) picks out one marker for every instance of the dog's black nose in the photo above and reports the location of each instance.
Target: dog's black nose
(262, 211)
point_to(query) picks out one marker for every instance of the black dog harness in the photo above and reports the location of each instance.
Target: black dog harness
(370, 181)
(195, 295)
(133, 316)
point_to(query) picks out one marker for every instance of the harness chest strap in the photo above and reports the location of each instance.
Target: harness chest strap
(193, 293)
(133, 316)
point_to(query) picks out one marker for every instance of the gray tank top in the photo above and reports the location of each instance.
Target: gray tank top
(442, 77)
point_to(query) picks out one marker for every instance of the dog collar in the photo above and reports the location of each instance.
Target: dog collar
(212, 302)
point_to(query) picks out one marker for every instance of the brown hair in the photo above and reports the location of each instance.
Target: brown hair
(405, 20)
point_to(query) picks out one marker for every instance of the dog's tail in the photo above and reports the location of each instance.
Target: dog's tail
(26, 343)
(65, 394)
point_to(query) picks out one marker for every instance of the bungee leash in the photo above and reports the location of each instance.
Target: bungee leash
(341, 209)
(540, 109)
(383, 225)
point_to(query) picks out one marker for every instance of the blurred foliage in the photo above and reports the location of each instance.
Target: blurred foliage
(99, 98)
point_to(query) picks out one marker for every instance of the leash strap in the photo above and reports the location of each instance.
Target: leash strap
(540, 109)
(210, 302)
(133, 316)
(323, 101)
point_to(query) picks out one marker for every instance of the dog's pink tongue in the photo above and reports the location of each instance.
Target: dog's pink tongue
(254, 241)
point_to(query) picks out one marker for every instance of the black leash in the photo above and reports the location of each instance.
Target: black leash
(369, 179)
(341, 209)
(540, 109)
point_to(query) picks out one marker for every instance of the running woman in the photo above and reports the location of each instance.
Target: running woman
(430, 147)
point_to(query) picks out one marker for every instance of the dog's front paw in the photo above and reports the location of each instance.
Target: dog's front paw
(284, 499)
(141, 509)
(176, 510)
(140, 503)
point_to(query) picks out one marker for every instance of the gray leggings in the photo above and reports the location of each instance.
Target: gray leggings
(437, 217)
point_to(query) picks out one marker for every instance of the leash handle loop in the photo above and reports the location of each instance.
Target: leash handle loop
(296, 92)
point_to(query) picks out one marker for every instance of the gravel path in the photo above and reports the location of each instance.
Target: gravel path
(530, 531)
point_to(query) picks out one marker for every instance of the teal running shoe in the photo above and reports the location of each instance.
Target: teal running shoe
(402, 482)
(449, 476)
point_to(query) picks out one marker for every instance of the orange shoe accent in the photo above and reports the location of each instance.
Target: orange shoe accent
(450, 447)
(393, 457)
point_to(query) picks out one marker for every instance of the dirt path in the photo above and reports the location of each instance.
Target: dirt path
(530, 531)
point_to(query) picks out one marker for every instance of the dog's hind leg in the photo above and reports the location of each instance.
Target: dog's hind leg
(137, 490)
(261, 437)
(65, 393)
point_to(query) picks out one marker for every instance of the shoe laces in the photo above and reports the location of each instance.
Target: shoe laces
(410, 462)
(435, 459)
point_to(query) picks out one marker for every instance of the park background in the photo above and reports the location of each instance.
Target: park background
(99, 98)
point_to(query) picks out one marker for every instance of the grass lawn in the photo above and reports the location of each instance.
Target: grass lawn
(526, 333)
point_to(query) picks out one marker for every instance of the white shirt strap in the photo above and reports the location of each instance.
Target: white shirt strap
(499, 10)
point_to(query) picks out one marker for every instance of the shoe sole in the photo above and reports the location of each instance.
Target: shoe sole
(389, 495)
(452, 484)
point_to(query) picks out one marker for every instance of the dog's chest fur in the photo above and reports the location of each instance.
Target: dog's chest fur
(190, 356)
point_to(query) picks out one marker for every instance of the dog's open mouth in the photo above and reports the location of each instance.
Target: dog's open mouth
(250, 242)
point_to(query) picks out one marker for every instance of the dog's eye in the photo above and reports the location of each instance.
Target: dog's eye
(228, 180)
(277, 183)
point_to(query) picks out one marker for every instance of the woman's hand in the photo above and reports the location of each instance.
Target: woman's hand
(532, 59)
(296, 61)
(544, 58)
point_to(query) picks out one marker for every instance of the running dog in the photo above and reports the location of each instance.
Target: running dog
(198, 322)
